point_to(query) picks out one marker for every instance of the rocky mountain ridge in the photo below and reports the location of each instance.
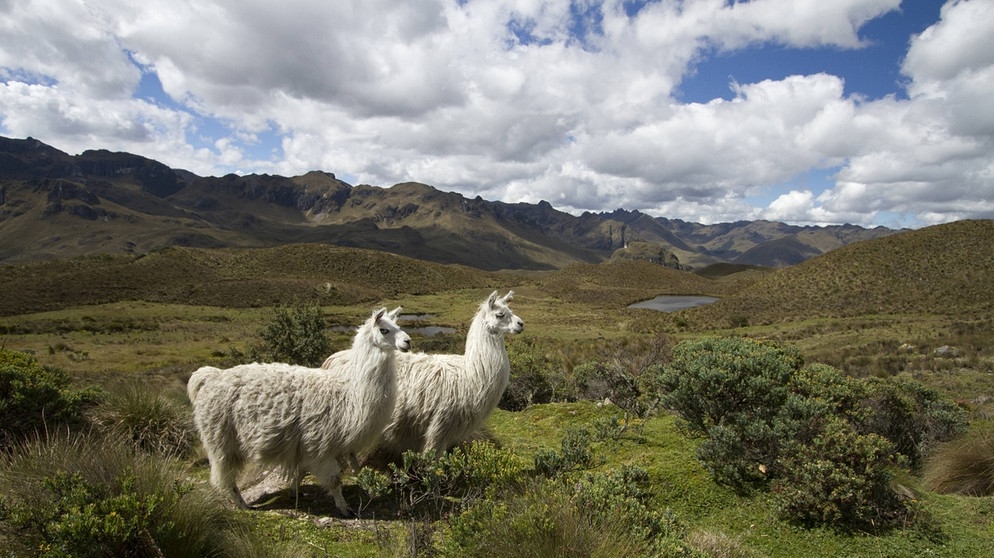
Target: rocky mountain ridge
(56, 205)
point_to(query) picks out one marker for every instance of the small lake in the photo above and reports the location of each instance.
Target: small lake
(672, 303)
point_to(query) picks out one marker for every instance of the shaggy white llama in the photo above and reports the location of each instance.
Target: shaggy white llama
(441, 398)
(295, 417)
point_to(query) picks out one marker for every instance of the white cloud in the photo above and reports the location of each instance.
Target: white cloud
(505, 100)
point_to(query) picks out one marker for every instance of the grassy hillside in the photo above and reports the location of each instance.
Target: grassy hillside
(941, 270)
(316, 273)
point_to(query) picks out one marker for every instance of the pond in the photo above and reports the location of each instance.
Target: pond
(672, 303)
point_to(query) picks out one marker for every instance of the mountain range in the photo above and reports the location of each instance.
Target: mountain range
(54, 206)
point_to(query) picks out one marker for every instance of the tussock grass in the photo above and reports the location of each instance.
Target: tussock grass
(155, 421)
(964, 466)
(61, 491)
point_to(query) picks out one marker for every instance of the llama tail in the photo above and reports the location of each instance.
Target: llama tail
(197, 380)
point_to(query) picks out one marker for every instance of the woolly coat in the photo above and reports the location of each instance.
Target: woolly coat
(442, 398)
(294, 417)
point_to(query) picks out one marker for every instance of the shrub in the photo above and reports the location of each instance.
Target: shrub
(549, 518)
(914, 417)
(426, 483)
(627, 374)
(623, 495)
(574, 454)
(35, 398)
(826, 440)
(965, 466)
(295, 335)
(841, 478)
(731, 392)
(535, 377)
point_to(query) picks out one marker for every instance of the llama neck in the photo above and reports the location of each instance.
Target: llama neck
(373, 388)
(486, 355)
(372, 367)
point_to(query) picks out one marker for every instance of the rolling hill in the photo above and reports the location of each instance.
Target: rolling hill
(231, 277)
(939, 270)
(55, 206)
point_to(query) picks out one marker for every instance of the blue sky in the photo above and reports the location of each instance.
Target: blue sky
(872, 71)
(871, 112)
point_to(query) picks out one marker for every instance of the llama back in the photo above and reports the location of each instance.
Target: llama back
(247, 412)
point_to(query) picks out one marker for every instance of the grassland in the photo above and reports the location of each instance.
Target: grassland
(879, 308)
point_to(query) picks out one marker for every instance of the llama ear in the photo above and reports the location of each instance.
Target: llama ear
(492, 299)
(378, 314)
(508, 296)
(394, 313)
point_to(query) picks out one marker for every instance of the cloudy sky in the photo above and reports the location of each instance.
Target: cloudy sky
(872, 112)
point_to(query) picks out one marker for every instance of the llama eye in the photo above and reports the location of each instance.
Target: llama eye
(384, 330)
(500, 314)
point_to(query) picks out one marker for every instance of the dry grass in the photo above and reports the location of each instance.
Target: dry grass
(964, 466)
(718, 545)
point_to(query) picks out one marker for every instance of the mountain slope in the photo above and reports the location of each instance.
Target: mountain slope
(55, 205)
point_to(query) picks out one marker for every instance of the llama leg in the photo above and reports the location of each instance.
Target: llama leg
(223, 476)
(435, 439)
(329, 474)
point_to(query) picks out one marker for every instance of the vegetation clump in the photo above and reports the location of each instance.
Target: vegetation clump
(295, 335)
(964, 466)
(82, 495)
(156, 422)
(562, 508)
(825, 442)
(35, 399)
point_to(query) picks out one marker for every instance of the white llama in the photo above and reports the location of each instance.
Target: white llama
(441, 398)
(299, 418)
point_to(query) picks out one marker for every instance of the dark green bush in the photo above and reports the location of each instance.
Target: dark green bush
(840, 478)
(603, 515)
(827, 441)
(535, 377)
(624, 495)
(430, 484)
(914, 417)
(85, 519)
(35, 399)
(731, 391)
(627, 374)
(295, 335)
(574, 454)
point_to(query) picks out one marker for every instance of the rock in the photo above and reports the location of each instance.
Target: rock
(946, 351)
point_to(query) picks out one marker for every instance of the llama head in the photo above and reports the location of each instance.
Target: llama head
(385, 332)
(498, 316)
